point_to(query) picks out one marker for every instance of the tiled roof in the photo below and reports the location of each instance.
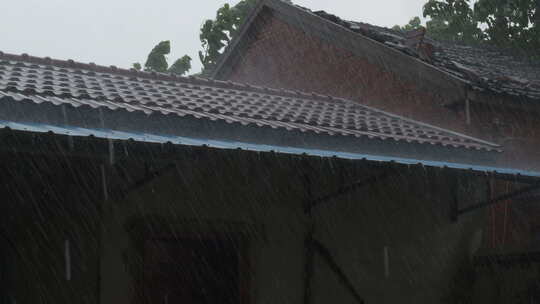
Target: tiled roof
(481, 66)
(43, 80)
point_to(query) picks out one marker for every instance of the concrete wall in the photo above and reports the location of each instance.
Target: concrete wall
(408, 213)
(44, 202)
(210, 194)
(256, 196)
(517, 283)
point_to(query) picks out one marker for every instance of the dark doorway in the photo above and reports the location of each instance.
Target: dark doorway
(192, 271)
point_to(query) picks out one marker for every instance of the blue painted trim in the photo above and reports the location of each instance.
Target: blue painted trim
(221, 144)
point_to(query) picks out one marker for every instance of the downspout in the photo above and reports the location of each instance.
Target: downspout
(101, 208)
(308, 241)
(101, 204)
(468, 111)
(469, 97)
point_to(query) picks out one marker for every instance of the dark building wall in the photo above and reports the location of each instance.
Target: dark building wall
(513, 283)
(210, 191)
(408, 213)
(264, 192)
(46, 200)
(282, 55)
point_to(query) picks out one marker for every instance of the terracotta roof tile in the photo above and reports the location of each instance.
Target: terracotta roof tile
(76, 84)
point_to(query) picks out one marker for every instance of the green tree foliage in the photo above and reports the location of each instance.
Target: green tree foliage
(216, 34)
(452, 20)
(157, 61)
(181, 66)
(513, 23)
(137, 66)
(414, 23)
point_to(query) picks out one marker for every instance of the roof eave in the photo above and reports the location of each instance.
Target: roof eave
(123, 121)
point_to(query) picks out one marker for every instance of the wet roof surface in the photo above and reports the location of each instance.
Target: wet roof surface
(481, 66)
(181, 140)
(43, 80)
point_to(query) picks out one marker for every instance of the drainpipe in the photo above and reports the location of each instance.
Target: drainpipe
(101, 230)
(468, 111)
(308, 242)
(469, 97)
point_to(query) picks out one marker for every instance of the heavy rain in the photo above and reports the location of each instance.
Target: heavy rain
(270, 151)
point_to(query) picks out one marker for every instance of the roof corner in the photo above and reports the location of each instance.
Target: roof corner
(233, 45)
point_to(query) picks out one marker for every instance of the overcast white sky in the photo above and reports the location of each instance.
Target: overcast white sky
(120, 32)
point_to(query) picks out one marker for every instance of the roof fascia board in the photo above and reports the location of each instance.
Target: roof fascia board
(106, 135)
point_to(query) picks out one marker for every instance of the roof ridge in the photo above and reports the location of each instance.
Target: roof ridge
(434, 54)
(70, 63)
(478, 45)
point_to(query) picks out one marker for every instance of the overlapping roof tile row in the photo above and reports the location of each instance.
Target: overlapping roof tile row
(27, 78)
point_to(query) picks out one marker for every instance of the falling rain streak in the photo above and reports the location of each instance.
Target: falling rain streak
(314, 159)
